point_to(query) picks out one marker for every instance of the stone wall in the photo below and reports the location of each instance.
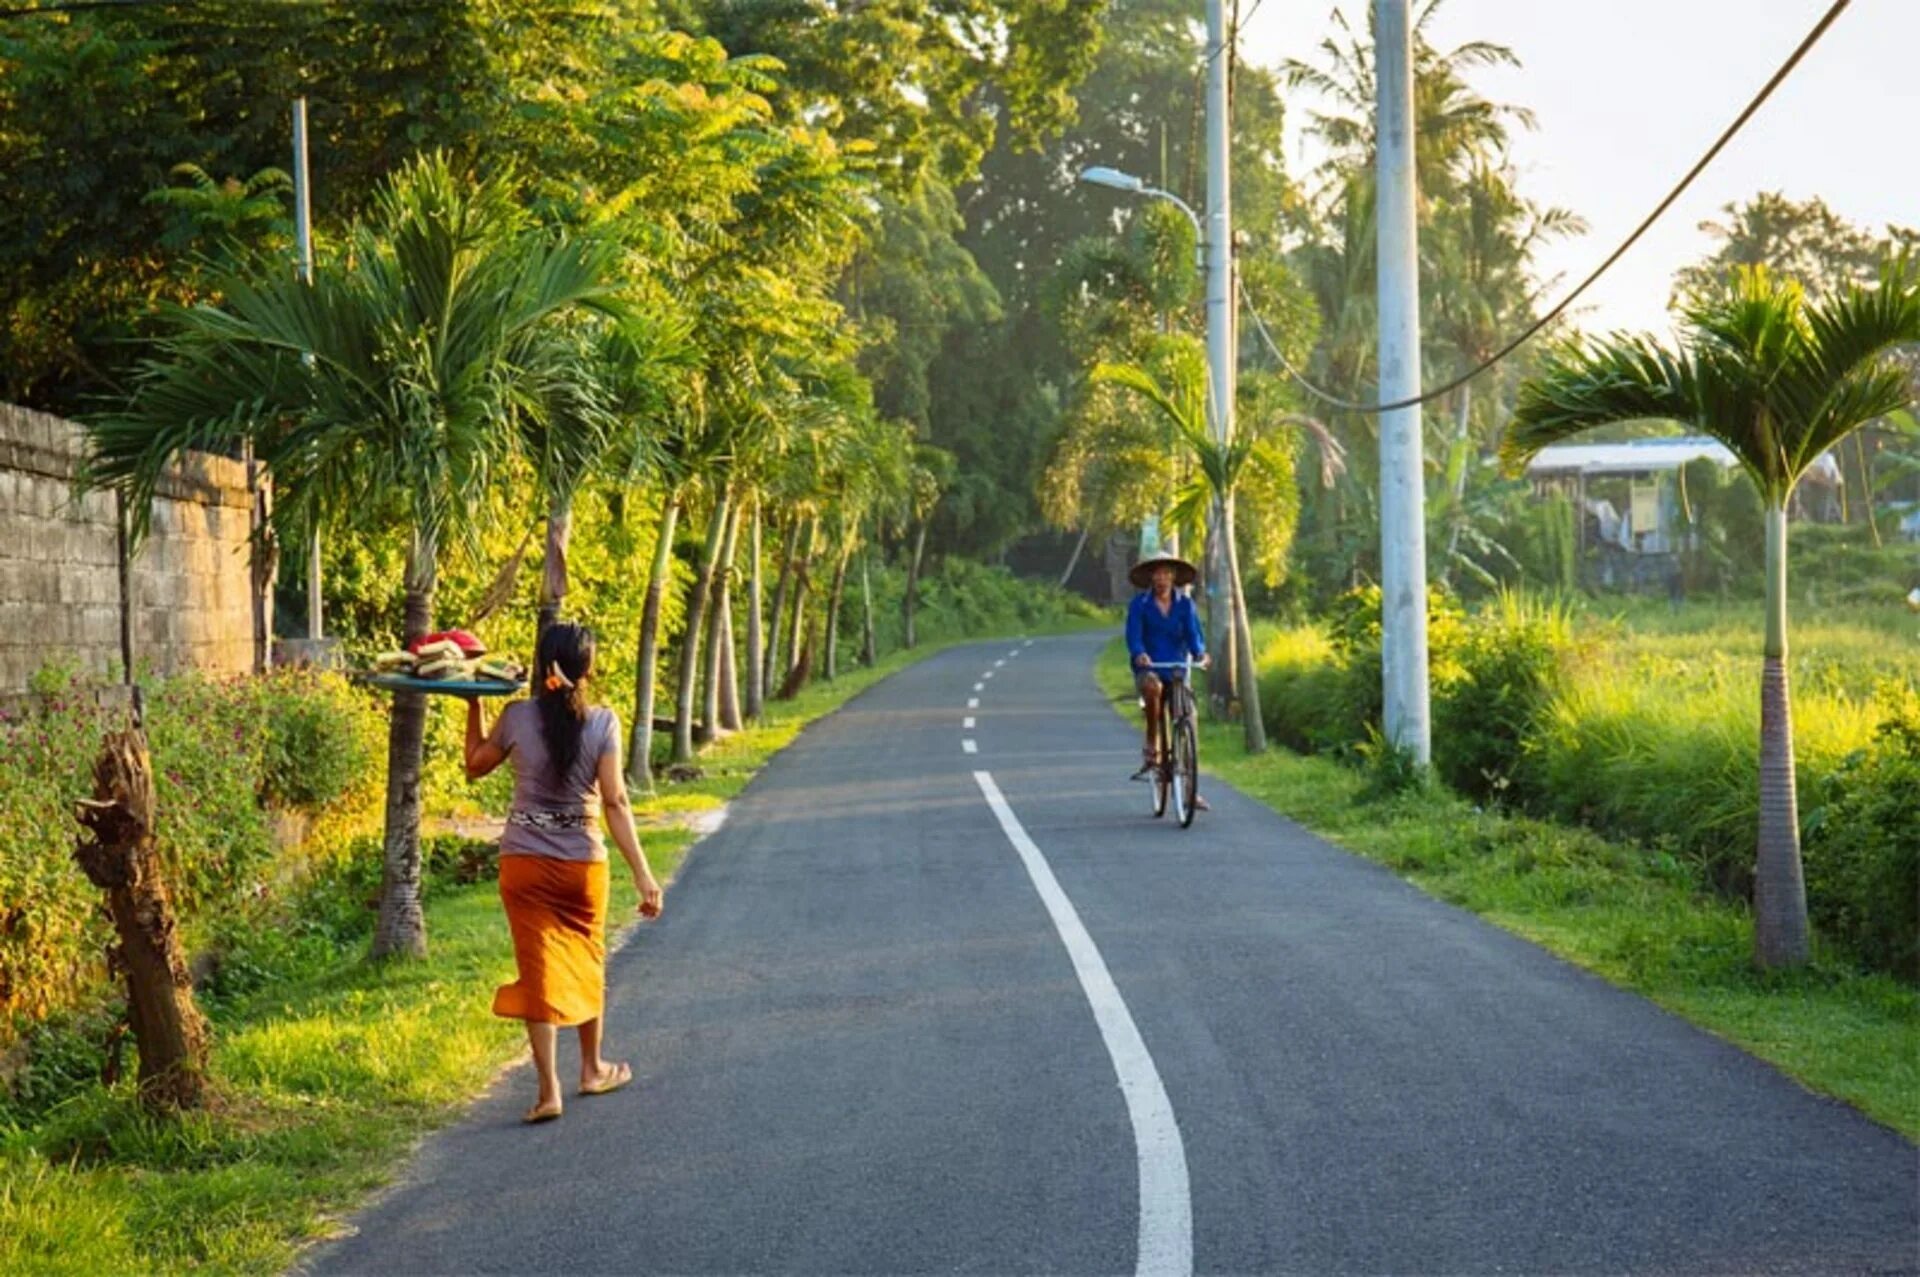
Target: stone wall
(59, 577)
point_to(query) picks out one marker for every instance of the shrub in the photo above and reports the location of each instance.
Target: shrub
(1512, 660)
(1661, 750)
(1303, 692)
(322, 739)
(1862, 849)
(221, 751)
(1355, 630)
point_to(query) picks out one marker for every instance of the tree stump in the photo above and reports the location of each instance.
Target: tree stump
(118, 856)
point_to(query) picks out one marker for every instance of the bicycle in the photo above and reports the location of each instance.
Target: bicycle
(1176, 773)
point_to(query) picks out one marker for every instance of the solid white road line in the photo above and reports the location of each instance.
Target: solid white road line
(969, 746)
(1166, 1202)
(967, 722)
(973, 702)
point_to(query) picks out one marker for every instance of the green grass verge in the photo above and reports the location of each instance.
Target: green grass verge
(1636, 918)
(327, 1074)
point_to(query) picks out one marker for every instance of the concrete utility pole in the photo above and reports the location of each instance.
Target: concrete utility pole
(1403, 523)
(303, 241)
(1219, 245)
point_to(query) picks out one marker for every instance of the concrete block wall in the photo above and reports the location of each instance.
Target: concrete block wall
(59, 580)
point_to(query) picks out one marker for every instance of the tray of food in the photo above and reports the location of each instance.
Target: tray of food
(450, 663)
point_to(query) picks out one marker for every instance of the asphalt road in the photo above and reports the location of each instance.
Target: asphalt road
(869, 1041)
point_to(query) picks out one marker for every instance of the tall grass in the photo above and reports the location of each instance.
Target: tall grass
(1649, 734)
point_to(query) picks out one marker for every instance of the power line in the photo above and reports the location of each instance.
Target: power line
(1766, 91)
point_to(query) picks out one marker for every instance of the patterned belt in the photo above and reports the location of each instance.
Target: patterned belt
(547, 818)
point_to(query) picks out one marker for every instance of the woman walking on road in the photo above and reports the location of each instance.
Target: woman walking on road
(553, 864)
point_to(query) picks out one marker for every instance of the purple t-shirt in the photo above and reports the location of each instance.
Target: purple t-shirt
(554, 816)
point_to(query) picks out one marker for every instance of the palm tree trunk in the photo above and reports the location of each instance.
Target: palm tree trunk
(790, 546)
(835, 597)
(912, 598)
(1073, 560)
(719, 630)
(1222, 689)
(802, 587)
(553, 577)
(646, 664)
(401, 931)
(690, 650)
(1866, 484)
(1779, 885)
(756, 640)
(1254, 729)
(870, 648)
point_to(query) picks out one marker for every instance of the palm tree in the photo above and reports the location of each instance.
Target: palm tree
(385, 394)
(1779, 382)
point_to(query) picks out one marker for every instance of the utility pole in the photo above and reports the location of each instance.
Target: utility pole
(1403, 524)
(303, 242)
(1220, 347)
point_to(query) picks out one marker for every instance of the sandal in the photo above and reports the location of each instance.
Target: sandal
(616, 1076)
(537, 1115)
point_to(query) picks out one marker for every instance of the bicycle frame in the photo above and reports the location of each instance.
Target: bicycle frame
(1176, 715)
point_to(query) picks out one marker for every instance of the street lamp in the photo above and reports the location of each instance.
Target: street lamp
(1114, 179)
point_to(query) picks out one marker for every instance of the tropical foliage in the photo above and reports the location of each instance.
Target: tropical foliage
(1779, 381)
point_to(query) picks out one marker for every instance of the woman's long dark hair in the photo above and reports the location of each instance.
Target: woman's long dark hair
(565, 649)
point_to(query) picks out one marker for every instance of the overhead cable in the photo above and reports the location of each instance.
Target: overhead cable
(1766, 91)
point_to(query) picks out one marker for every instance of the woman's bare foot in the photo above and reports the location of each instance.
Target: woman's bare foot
(611, 1077)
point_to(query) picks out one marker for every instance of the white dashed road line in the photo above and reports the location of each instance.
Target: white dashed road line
(979, 687)
(969, 746)
(1166, 1202)
(967, 722)
(973, 702)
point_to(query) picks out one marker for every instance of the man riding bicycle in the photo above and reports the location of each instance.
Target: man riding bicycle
(1163, 628)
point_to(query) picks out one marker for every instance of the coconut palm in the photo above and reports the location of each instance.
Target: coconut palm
(386, 393)
(1779, 382)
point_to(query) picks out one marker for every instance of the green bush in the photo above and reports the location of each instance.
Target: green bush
(1862, 849)
(1651, 737)
(322, 740)
(1303, 692)
(1512, 660)
(222, 751)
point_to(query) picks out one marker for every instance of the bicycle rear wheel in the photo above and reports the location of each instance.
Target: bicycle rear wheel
(1186, 770)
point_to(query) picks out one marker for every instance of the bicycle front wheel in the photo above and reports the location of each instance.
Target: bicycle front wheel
(1186, 771)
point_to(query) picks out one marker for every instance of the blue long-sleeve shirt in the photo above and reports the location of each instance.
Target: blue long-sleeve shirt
(1165, 639)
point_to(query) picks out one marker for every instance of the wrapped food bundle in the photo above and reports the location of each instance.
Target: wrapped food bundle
(502, 669)
(443, 664)
(395, 662)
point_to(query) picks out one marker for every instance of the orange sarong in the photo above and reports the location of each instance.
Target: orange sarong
(557, 910)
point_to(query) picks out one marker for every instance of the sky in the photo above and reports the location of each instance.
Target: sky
(1627, 94)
